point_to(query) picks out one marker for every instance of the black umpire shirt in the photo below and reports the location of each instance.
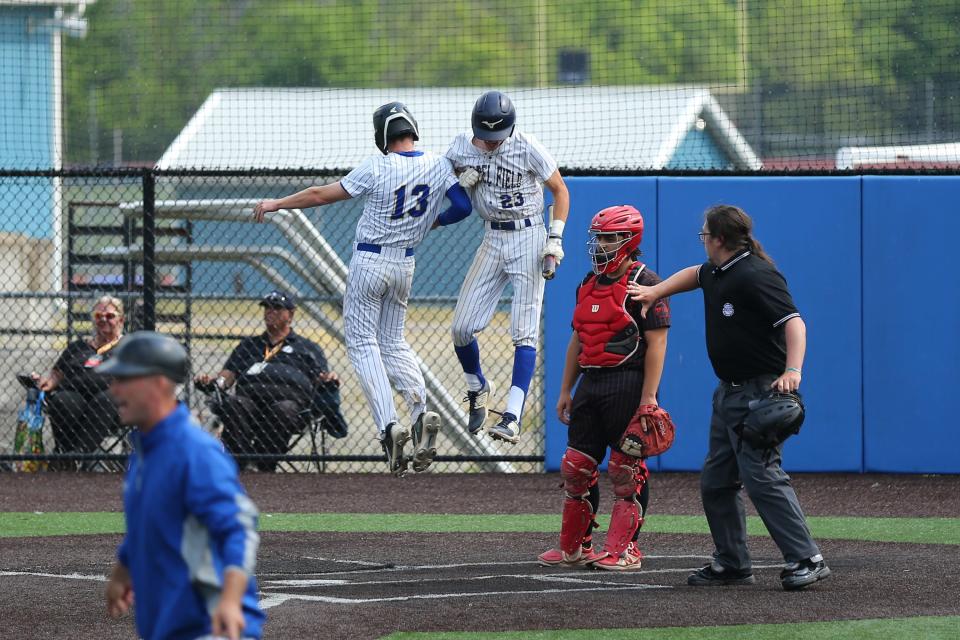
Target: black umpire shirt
(746, 303)
(295, 366)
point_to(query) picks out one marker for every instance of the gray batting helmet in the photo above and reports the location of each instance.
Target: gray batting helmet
(146, 353)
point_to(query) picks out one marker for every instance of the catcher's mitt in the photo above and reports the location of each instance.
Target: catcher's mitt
(650, 432)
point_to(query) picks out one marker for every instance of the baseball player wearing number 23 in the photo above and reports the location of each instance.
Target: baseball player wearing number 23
(505, 171)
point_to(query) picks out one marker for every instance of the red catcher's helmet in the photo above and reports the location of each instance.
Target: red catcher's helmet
(623, 221)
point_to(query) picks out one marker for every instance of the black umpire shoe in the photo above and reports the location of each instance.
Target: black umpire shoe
(716, 575)
(798, 575)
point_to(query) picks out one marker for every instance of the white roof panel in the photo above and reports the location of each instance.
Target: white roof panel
(584, 127)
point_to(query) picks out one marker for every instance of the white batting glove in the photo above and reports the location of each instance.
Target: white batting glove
(553, 248)
(469, 177)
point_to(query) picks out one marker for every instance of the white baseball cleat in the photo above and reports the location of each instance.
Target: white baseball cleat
(508, 429)
(394, 440)
(425, 431)
(478, 407)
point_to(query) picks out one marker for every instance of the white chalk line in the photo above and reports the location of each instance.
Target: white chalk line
(547, 577)
(63, 576)
(275, 599)
(428, 567)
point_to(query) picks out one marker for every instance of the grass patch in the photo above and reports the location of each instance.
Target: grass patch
(913, 530)
(929, 628)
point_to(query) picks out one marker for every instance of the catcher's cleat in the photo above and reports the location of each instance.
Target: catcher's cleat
(716, 575)
(557, 558)
(629, 560)
(395, 438)
(799, 575)
(425, 431)
(507, 429)
(478, 407)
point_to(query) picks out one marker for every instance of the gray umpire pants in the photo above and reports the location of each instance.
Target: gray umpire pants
(732, 465)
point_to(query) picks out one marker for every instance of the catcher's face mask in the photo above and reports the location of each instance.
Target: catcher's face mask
(607, 250)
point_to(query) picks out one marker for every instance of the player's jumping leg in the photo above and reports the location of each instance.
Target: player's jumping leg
(366, 286)
(476, 305)
(523, 269)
(579, 472)
(621, 552)
(403, 369)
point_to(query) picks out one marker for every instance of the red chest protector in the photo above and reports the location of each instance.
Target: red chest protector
(608, 333)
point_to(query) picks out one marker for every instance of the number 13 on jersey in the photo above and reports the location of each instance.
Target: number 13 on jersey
(421, 192)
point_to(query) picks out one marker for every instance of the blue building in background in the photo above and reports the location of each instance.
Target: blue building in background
(31, 121)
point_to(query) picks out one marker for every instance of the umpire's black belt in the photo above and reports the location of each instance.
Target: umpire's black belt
(375, 248)
(510, 225)
(766, 378)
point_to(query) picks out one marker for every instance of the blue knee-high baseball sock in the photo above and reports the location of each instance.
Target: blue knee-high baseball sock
(524, 361)
(469, 357)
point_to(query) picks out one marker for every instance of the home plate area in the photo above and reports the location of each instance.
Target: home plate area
(357, 582)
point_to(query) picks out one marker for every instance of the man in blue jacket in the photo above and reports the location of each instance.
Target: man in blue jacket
(191, 541)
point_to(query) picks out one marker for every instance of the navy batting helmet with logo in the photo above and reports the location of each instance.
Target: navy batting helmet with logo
(393, 120)
(493, 116)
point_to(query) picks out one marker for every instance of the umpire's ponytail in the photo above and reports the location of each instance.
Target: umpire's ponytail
(736, 228)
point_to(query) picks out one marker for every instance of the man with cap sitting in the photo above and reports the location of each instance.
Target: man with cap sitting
(190, 547)
(283, 381)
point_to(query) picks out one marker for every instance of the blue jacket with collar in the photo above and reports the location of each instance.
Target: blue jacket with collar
(188, 520)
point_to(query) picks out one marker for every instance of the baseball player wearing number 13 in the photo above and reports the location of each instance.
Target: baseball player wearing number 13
(404, 189)
(505, 171)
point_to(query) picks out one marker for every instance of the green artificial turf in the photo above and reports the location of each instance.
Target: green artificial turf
(928, 628)
(915, 530)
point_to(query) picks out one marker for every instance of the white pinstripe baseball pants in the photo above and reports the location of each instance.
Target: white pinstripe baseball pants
(374, 311)
(503, 256)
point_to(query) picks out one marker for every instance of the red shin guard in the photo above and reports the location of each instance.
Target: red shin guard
(625, 518)
(579, 472)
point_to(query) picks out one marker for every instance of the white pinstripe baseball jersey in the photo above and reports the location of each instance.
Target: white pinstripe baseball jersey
(511, 177)
(404, 191)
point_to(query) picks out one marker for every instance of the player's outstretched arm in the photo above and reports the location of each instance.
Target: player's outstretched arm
(310, 197)
(571, 371)
(680, 282)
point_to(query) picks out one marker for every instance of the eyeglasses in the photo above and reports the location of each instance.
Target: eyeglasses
(104, 316)
(703, 234)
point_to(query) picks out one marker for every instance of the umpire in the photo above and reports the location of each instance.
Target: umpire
(756, 341)
(191, 541)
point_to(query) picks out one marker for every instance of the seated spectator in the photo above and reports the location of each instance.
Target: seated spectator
(79, 405)
(283, 382)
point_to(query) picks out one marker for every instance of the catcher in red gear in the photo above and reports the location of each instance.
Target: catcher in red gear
(617, 356)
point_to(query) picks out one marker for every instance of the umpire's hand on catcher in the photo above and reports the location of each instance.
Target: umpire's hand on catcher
(646, 296)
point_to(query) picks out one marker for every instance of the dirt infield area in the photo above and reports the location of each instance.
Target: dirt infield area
(370, 584)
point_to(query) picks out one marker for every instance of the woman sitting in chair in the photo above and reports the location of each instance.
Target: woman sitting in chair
(81, 410)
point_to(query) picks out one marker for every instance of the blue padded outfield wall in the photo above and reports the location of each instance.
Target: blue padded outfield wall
(866, 259)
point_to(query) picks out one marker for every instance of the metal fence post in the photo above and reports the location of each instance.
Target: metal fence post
(149, 246)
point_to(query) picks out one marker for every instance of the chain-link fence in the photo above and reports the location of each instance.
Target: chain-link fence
(182, 254)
